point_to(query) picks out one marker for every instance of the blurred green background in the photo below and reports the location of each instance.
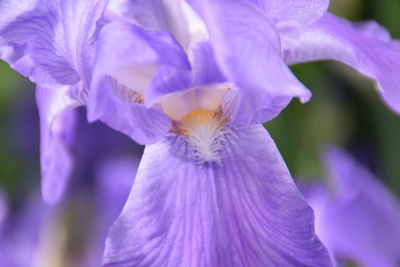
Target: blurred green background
(345, 110)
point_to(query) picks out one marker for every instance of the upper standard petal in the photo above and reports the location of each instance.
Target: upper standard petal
(135, 68)
(120, 108)
(247, 50)
(173, 16)
(134, 57)
(205, 68)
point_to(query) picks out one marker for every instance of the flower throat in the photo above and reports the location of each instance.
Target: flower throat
(205, 133)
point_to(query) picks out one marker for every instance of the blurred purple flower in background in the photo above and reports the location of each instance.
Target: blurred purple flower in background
(193, 82)
(73, 232)
(37, 235)
(357, 217)
(114, 179)
(19, 233)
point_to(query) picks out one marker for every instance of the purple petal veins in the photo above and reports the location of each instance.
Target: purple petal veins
(293, 13)
(212, 189)
(197, 181)
(245, 211)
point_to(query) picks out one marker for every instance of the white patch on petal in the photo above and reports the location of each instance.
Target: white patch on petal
(196, 27)
(179, 104)
(205, 134)
(135, 77)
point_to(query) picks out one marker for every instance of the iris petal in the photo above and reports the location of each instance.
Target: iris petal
(172, 16)
(139, 49)
(166, 81)
(298, 13)
(36, 41)
(50, 42)
(247, 49)
(205, 69)
(117, 109)
(243, 211)
(366, 48)
(57, 132)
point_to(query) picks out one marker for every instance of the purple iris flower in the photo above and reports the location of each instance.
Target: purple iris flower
(52, 43)
(357, 217)
(193, 185)
(193, 83)
(209, 190)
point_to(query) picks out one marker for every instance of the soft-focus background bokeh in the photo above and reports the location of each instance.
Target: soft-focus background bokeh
(345, 111)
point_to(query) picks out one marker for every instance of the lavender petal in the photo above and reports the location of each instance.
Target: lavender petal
(57, 134)
(246, 211)
(246, 46)
(366, 48)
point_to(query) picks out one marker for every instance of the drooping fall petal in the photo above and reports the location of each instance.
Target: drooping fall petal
(245, 211)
